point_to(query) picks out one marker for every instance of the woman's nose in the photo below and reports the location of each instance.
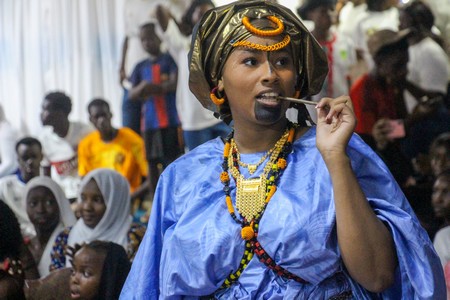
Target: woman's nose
(86, 205)
(269, 74)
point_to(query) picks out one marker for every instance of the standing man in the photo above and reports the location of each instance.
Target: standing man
(60, 138)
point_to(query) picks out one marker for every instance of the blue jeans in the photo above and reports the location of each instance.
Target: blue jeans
(193, 138)
(131, 113)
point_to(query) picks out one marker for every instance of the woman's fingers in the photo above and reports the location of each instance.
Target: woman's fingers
(333, 107)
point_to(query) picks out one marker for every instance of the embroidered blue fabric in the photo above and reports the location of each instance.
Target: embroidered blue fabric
(192, 244)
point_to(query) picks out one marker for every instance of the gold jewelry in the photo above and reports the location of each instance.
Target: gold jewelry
(261, 32)
(251, 167)
(274, 47)
(251, 193)
(216, 100)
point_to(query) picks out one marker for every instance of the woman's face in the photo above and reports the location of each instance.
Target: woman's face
(86, 274)
(441, 197)
(439, 160)
(92, 204)
(42, 209)
(253, 79)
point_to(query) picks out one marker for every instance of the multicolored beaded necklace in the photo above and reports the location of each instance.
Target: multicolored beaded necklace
(251, 189)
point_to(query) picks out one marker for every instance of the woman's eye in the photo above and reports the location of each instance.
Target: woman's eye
(283, 61)
(87, 274)
(250, 61)
(98, 199)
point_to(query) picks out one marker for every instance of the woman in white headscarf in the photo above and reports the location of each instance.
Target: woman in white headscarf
(50, 212)
(104, 204)
(8, 158)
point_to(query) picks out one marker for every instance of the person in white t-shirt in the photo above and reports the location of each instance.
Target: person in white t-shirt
(12, 187)
(349, 14)
(198, 124)
(428, 66)
(380, 14)
(60, 138)
(8, 136)
(339, 48)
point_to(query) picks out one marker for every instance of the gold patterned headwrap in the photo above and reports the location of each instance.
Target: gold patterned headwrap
(221, 27)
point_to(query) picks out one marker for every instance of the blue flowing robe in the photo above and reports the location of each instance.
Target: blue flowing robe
(192, 244)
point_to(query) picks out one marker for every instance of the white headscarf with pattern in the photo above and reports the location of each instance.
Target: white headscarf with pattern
(66, 216)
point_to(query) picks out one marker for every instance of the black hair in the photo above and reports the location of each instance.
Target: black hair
(115, 267)
(401, 45)
(150, 26)
(60, 101)
(443, 140)
(187, 17)
(374, 5)
(10, 236)
(420, 14)
(28, 141)
(98, 102)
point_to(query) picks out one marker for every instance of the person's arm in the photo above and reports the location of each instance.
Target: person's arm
(123, 61)
(366, 245)
(146, 89)
(141, 190)
(419, 93)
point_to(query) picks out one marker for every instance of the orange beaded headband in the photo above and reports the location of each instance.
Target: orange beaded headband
(260, 32)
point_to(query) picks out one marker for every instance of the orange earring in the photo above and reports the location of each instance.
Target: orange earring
(216, 100)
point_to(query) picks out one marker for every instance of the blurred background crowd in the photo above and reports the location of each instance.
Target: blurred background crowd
(94, 104)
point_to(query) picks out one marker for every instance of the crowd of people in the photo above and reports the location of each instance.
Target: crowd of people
(254, 193)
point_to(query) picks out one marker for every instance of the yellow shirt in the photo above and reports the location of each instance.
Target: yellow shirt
(125, 154)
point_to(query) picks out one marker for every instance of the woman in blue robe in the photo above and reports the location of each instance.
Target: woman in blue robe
(277, 210)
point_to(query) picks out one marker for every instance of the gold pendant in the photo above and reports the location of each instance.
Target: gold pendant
(252, 169)
(250, 196)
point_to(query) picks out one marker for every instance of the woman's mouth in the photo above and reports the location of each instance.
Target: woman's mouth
(268, 99)
(74, 294)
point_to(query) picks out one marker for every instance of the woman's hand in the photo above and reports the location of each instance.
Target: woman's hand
(335, 124)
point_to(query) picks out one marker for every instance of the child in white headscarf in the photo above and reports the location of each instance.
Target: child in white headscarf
(50, 212)
(104, 203)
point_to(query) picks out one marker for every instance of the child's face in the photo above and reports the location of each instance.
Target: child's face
(86, 274)
(42, 208)
(92, 206)
(150, 41)
(323, 17)
(441, 197)
(440, 160)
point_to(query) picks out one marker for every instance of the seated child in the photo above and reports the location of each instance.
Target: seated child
(99, 270)
(104, 206)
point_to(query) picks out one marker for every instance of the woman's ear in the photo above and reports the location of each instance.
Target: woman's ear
(220, 85)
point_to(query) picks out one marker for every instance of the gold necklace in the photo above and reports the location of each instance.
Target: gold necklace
(251, 167)
(251, 193)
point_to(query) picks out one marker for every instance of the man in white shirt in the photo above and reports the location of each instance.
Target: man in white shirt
(60, 138)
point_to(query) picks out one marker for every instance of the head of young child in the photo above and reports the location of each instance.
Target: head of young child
(440, 154)
(150, 41)
(99, 270)
(321, 12)
(441, 195)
